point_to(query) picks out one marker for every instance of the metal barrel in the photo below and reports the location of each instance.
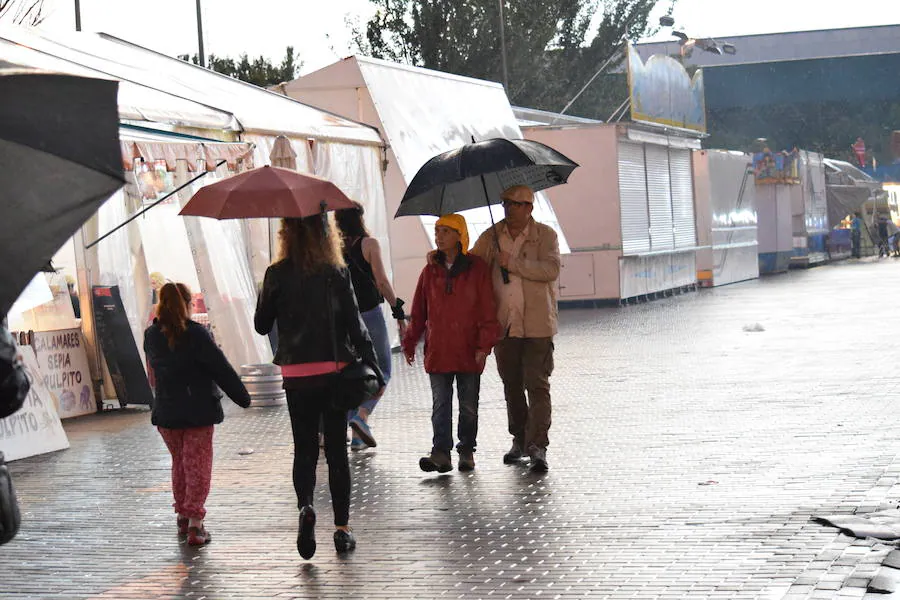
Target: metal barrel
(264, 382)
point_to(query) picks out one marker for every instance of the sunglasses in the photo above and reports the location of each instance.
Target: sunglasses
(508, 203)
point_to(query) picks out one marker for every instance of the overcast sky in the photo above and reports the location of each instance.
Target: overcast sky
(318, 32)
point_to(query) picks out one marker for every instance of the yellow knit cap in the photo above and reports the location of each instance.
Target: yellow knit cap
(458, 224)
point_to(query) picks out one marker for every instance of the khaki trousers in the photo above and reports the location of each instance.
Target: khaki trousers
(525, 365)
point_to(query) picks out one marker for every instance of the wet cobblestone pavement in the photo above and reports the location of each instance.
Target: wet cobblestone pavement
(687, 456)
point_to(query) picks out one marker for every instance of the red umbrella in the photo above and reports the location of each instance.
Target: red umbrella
(266, 192)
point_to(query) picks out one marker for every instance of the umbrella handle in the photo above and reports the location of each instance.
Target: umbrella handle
(504, 272)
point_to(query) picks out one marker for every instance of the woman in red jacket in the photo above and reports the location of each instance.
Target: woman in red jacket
(454, 307)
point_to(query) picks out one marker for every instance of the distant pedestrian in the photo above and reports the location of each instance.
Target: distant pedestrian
(308, 293)
(883, 248)
(856, 225)
(454, 309)
(528, 317)
(371, 284)
(189, 370)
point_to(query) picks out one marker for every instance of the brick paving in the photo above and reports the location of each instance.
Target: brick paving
(687, 457)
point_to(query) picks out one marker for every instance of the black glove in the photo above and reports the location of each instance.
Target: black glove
(397, 310)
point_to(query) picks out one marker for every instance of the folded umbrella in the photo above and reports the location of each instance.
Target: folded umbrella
(266, 192)
(59, 161)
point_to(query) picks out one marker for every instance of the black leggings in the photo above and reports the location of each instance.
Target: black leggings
(307, 406)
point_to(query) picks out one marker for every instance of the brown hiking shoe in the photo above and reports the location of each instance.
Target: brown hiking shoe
(466, 460)
(437, 461)
(514, 455)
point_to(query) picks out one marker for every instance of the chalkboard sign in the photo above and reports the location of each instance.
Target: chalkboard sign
(119, 349)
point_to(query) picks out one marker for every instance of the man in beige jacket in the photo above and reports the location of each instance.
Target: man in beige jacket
(527, 312)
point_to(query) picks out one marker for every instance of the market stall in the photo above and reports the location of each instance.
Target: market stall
(849, 190)
(810, 213)
(777, 180)
(725, 201)
(628, 211)
(195, 126)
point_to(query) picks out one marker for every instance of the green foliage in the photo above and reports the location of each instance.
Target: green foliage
(551, 53)
(258, 71)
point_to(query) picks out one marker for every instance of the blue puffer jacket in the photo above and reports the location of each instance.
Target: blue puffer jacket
(188, 379)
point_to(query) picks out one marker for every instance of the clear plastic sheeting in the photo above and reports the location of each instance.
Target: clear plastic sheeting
(424, 113)
(356, 171)
(166, 245)
(262, 234)
(121, 266)
(814, 213)
(734, 219)
(229, 290)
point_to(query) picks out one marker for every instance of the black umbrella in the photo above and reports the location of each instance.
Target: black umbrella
(59, 161)
(476, 174)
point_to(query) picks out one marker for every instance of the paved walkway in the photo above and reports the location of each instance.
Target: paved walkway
(687, 457)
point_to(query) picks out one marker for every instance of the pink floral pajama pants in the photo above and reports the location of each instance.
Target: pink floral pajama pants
(192, 456)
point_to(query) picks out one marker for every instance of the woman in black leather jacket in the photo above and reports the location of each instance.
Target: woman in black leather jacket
(298, 293)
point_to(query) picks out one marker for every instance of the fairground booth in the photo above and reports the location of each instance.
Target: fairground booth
(628, 212)
(182, 127)
(725, 199)
(849, 191)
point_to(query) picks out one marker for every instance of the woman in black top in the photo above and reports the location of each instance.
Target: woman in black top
(362, 254)
(309, 295)
(189, 370)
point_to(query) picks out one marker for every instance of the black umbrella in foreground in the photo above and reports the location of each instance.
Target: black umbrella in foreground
(476, 174)
(59, 161)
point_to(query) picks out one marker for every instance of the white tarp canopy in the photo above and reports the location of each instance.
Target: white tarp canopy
(424, 112)
(136, 102)
(254, 108)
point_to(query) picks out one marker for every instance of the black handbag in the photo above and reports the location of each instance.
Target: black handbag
(10, 518)
(355, 383)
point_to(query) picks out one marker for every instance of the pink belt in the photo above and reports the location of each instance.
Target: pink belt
(310, 369)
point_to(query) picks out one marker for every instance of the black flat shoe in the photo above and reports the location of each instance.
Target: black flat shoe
(344, 541)
(306, 538)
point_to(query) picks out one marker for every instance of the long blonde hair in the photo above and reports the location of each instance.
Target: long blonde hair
(311, 243)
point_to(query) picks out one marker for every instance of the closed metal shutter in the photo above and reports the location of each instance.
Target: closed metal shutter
(633, 199)
(659, 196)
(682, 184)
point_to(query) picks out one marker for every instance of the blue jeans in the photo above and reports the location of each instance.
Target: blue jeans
(467, 389)
(374, 320)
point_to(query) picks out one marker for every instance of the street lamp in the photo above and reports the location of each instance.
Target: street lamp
(502, 46)
(200, 36)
